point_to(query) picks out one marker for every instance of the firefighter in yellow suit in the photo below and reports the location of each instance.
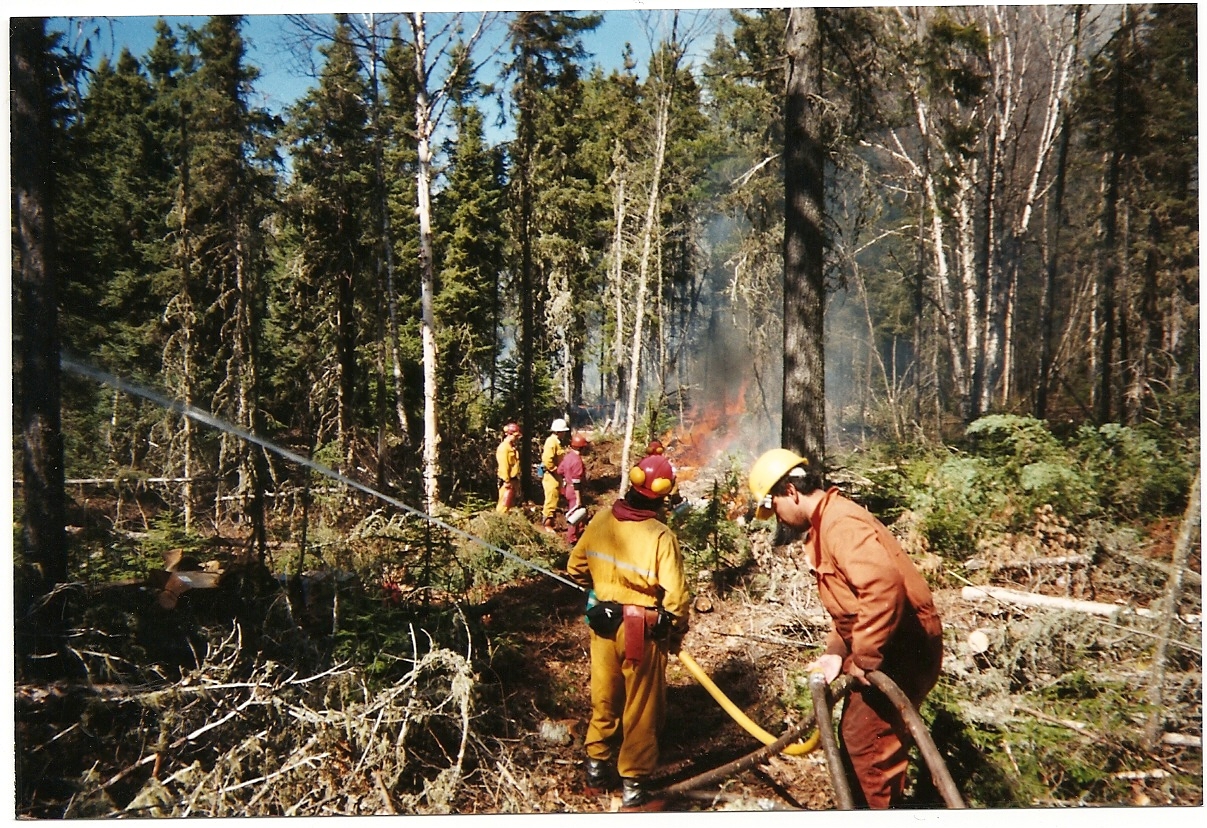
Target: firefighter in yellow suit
(631, 562)
(551, 455)
(508, 459)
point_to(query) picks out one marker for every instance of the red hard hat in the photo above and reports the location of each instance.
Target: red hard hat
(579, 441)
(653, 476)
(511, 428)
(655, 447)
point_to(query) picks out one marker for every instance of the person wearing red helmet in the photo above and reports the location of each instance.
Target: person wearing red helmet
(573, 472)
(630, 561)
(655, 447)
(507, 457)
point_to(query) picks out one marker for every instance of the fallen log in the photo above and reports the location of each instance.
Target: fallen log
(1191, 577)
(1033, 563)
(1035, 599)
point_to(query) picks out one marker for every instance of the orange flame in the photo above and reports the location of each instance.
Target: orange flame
(710, 432)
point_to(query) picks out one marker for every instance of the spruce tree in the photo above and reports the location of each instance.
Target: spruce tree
(325, 316)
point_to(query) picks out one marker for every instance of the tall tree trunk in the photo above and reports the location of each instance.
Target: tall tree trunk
(525, 279)
(648, 238)
(616, 274)
(1048, 298)
(804, 416)
(1108, 252)
(37, 349)
(427, 327)
(187, 317)
(252, 467)
(385, 260)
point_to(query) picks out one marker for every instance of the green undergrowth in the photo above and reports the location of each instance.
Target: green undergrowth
(1009, 468)
(1077, 741)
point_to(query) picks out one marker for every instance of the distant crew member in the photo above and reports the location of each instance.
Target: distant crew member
(507, 456)
(551, 482)
(574, 473)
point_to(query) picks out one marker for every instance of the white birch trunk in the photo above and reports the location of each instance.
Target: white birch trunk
(424, 127)
(661, 127)
(616, 272)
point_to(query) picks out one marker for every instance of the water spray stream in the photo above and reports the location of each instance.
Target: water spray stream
(201, 416)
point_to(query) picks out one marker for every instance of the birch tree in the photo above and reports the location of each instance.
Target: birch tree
(431, 60)
(1031, 58)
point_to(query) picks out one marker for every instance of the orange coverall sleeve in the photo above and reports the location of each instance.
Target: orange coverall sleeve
(876, 588)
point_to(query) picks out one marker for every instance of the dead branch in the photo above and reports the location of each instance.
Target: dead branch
(1033, 563)
(1182, 740)
(1034, 599)
(1186, 535)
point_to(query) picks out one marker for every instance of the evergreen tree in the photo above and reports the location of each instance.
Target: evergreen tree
(546, 49)
(745, 83)
(469, 245)
(36, 325)
(1139, 106)
(117, 189)
(330, 297)
(232, 159)
(612, 104)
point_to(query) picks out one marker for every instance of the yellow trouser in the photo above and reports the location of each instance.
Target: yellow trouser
(551, 483)
(628, 704)
(502, 506)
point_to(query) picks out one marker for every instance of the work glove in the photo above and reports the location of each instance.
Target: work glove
(670, 628)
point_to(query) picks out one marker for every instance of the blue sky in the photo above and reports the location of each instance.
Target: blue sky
(283, 80)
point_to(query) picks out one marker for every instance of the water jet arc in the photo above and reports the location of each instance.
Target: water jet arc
(202, 416)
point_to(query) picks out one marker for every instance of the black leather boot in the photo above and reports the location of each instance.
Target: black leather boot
(640, 796)
(601, 777)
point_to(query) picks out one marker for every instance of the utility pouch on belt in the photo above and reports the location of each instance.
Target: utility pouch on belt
(634, 632)
(604, 617)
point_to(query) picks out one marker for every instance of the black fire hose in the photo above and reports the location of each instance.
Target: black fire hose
(926, 745)
(753, 758)
(820, 690)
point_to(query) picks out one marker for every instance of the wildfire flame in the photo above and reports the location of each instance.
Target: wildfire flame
(710, 432)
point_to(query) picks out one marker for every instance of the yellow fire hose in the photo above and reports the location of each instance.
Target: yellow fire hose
(798, 749)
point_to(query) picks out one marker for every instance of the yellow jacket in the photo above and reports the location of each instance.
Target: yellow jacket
(552, 454)
(508, 460)
(632, 562)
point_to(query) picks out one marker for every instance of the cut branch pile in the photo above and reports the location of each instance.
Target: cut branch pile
(274, 742)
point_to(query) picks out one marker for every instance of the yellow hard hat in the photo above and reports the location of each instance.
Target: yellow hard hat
(766, 472)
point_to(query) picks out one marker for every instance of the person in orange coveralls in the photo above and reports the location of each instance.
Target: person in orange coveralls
(638, 610)
(883, 615)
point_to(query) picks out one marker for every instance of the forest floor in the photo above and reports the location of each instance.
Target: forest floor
(1067, 690)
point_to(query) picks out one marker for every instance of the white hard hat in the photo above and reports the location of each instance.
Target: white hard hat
(559, 425)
